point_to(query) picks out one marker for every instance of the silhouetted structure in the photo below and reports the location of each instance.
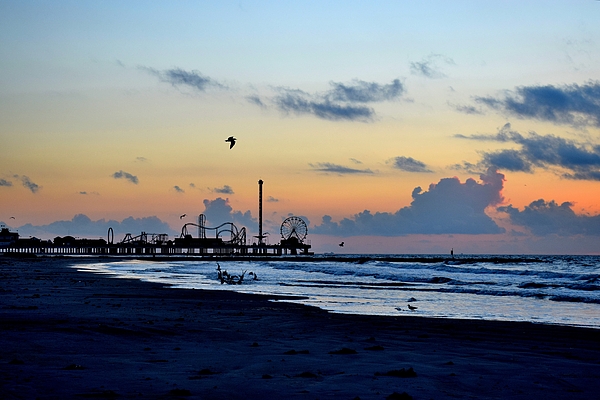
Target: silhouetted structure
(225, 239)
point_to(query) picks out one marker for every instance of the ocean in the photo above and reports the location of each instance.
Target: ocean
(563, 290)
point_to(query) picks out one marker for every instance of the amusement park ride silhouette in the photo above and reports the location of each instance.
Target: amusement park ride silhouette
(223, 240)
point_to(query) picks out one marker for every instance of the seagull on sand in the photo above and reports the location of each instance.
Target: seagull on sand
(231, 140)
(412, 308)
(182, 216)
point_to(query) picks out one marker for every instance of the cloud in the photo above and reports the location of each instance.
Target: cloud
(82, 226)
(299, 103)
(226, 189)
(471, 110)
(4, 182)
(409, 164)
(341, 102)
(272, 199)
(141, 159)
(179, 77)
(573, 105)
(85, 193)
(338, 169)
(448, 207)
(429, 67)
(192, 185)
(218, 211)
(365, 92)
(178, 189)
(34, 187)
(256, 101)
(547, 218)
(580, 159)
(126, 175)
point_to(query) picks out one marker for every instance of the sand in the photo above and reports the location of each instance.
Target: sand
(71, 334)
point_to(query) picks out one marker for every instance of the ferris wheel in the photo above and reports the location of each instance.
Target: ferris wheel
(294, 227)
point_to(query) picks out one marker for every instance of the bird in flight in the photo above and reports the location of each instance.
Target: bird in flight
(182, 215)
(412, 308)
(12, 218)
(231, 140)
(341, 244)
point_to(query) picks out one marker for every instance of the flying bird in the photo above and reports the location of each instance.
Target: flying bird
(12, 218)
(341, 244)
(231, 140)
(182, 216)
(412, 308)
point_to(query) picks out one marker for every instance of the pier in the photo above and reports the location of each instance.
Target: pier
(224, 240)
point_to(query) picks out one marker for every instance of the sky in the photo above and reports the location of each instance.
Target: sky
(393, 126)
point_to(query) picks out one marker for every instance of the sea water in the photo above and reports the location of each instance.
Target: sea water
(562, 290)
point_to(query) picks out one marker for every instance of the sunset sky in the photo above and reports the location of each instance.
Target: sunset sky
(394, 126)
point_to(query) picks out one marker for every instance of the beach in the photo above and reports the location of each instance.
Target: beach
(66, 333)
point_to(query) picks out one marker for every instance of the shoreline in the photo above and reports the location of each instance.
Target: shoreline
(68, 333)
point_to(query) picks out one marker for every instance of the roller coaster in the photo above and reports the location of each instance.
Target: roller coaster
(227, 232)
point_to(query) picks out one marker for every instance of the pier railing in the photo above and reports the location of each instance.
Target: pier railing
(152, 249)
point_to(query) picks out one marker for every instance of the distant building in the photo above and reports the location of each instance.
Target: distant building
(7, 237)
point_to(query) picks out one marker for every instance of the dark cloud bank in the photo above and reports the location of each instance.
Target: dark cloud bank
(447, 207)
(452, 207)
(547, 218)
(580, 160)
(575, 105)
(82, 226)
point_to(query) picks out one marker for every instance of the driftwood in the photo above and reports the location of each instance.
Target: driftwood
(226, 277)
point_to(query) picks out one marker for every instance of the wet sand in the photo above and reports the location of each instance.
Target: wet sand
(71, 334)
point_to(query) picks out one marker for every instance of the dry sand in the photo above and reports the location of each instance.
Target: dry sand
(70, 334)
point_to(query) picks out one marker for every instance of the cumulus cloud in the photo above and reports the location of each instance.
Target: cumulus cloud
(82, 226)
(181, 78)
(226, 189)
(338, 169)
(218, 211)
(580, 159)
(430, 67)
(126, 175)
(448, 207)
(546, 218)
(341, 102)
(178, 189)
(573, 105)
(409, 164)
(4, 182)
